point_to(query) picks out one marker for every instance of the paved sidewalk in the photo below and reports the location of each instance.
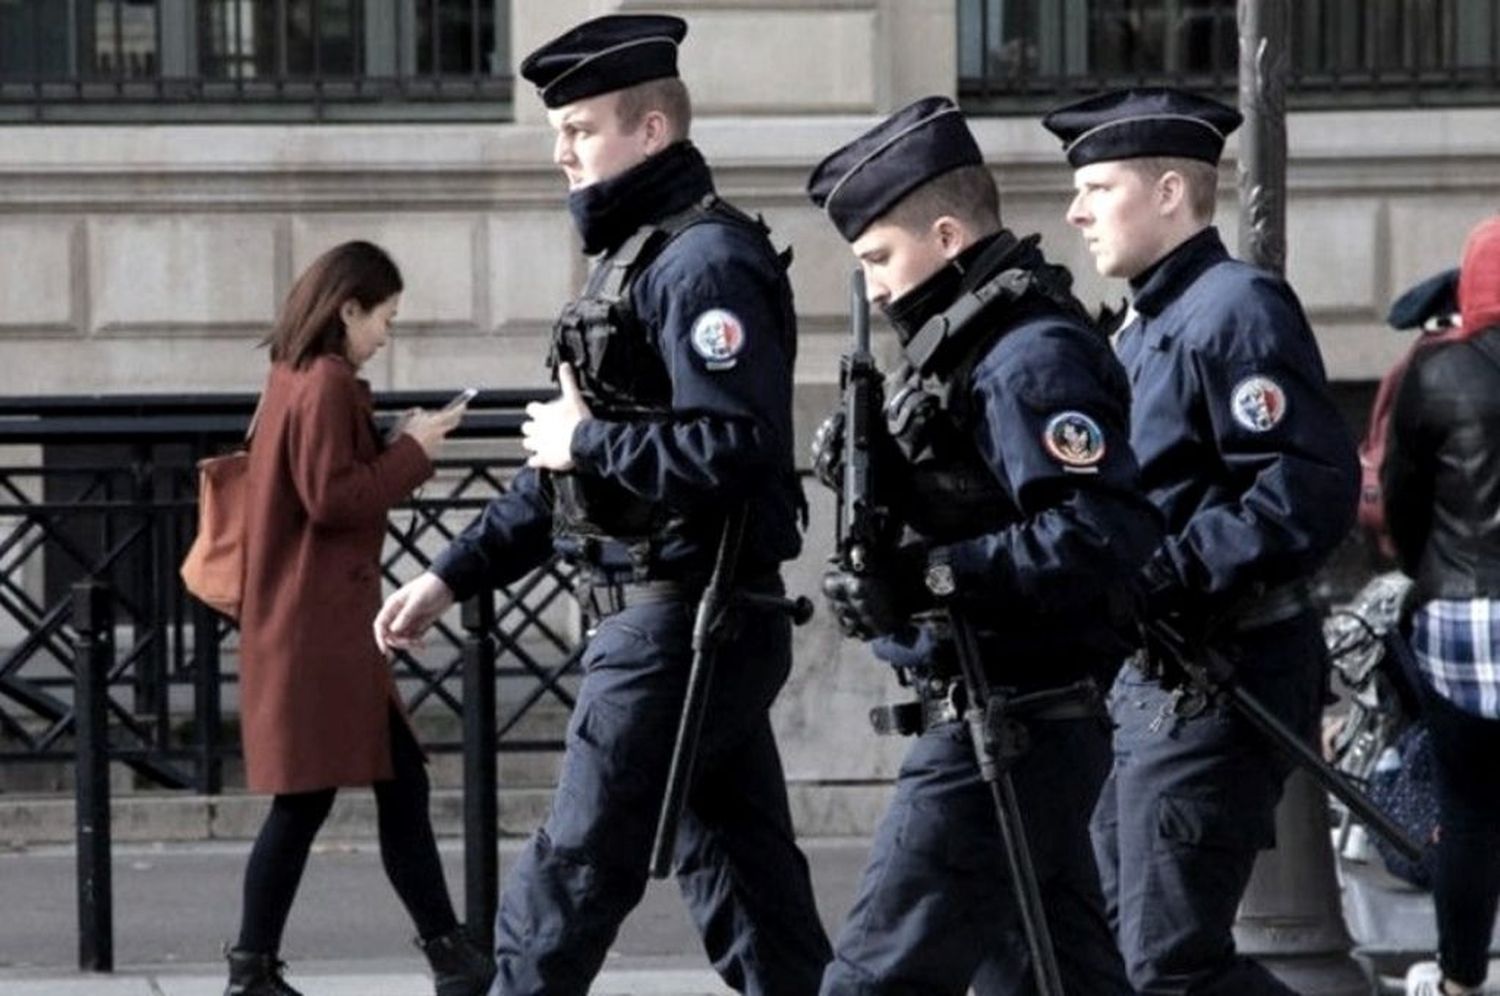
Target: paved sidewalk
(175, 904)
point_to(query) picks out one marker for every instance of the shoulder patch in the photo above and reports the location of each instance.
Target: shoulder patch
(1258, 403)
(1075, 441)
(718, 336)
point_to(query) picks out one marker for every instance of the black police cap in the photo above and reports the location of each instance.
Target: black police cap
(860, 182)
(1140, 122)
(603, 55)
(1435, 297)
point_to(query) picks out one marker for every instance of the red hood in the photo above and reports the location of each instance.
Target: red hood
(1479, 280)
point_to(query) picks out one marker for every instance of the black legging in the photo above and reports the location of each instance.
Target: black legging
(407, 849)
(1466, 876)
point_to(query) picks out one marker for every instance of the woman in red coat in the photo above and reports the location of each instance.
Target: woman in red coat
(318, 707)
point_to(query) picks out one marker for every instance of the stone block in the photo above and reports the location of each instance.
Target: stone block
(37, 274)
(504, 360)
(821, 260)
(154, 273)
(824, 56)
(1427, 234)
(1333, 254)
(436, 254)
(114, 364)
(535, 266)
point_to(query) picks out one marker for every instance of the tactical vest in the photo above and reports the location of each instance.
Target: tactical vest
(951, 492)
(622, 375)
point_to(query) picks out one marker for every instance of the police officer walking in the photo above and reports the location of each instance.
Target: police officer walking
(1019, 496)
(1241, 448)
(675, 371)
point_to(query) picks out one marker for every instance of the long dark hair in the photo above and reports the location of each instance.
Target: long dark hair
(309, 325)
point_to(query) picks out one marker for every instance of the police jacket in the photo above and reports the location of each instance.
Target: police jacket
(1239, 442)
(1441, 475)
(711, 308)
(1027, 486)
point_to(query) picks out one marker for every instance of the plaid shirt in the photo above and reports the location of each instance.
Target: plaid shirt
(1457, 645)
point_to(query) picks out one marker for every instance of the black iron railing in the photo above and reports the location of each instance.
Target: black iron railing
(1024, 56)
(104, 658)
(249, 60)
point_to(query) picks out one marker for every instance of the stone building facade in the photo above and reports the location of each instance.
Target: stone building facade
(150, 257)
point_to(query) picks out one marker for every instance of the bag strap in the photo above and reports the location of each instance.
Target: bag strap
(260, 403)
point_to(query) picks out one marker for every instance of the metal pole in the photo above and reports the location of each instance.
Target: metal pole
(481, 858)
(1290, 917)
(91, 662)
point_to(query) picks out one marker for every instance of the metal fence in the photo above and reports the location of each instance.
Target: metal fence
(104, 659)
(1024, 56)
(317, 60)
(112, 502)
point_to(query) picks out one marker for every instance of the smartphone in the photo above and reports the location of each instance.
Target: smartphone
(461, 398)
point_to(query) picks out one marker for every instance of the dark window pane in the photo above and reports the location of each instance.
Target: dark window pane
(267, 39)
(33, 39)
(455, 38)
(121, 39)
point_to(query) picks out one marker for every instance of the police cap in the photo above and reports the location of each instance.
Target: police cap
(603, 55)
(860, 182)
(1435, 297)
(1140, 122)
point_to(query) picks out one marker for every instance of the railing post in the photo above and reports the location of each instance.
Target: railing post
(207, 698)
(481, 857)
(92, 657)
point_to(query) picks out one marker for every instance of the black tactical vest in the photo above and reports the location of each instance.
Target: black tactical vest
(951, 492)
(622, 375)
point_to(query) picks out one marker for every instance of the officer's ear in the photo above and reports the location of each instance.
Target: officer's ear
(1171, 192)
(657, 131)
(952, 236)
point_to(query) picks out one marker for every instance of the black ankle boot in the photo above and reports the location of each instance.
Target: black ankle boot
(459, 966)
(252, 974)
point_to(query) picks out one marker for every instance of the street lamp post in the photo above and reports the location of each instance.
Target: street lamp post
(1291, 918)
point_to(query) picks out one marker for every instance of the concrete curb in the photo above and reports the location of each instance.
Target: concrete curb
(818, 810)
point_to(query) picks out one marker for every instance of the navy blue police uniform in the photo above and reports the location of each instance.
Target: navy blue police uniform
(684, 342)
(1019, 482)
(1242, 449)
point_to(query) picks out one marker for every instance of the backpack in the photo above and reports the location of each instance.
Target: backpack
(1429, 306)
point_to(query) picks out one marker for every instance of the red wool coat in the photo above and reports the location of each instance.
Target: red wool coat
(315, 692)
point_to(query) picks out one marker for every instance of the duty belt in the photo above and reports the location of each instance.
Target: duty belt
(942, 700)
(601, 597)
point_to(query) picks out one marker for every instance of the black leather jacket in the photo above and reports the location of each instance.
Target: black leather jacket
(1441, 474)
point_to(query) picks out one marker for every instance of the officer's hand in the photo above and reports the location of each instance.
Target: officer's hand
(828, 451)
(410, 611)
(1159, 592)
(864, 607)
(547, 434)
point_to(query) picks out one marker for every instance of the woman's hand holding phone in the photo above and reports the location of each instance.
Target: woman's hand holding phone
(430, 428)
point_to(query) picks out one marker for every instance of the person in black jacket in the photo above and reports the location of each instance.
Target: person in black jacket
(1441, 480)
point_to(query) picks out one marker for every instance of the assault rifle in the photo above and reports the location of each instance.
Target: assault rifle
(866, 527)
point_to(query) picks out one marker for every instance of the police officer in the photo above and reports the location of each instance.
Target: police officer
(1019, 494)
(675, 376)
(1243, 451)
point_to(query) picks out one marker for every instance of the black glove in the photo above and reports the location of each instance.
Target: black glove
(1159, 591)
(881, 600)
(828, 451)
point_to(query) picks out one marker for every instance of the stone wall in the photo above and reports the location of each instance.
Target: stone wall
(150, 258)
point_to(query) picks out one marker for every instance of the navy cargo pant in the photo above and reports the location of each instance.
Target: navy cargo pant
(745, 881)
(936, 911)
(1189, 804)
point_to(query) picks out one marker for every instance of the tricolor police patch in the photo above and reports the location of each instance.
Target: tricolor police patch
(718, 336)
(1075, 441)
(1258, 403)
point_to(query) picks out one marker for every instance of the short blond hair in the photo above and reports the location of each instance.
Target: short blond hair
(1200, 178)
(669, 95)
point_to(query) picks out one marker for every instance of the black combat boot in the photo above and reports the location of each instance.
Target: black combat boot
(252, 974)
(459, 966)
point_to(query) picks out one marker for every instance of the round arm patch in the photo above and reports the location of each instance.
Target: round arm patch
(718, 337)
(1258, 403)
(1075, 441)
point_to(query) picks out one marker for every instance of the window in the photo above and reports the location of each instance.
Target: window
(254, 59)
(1021, 56)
